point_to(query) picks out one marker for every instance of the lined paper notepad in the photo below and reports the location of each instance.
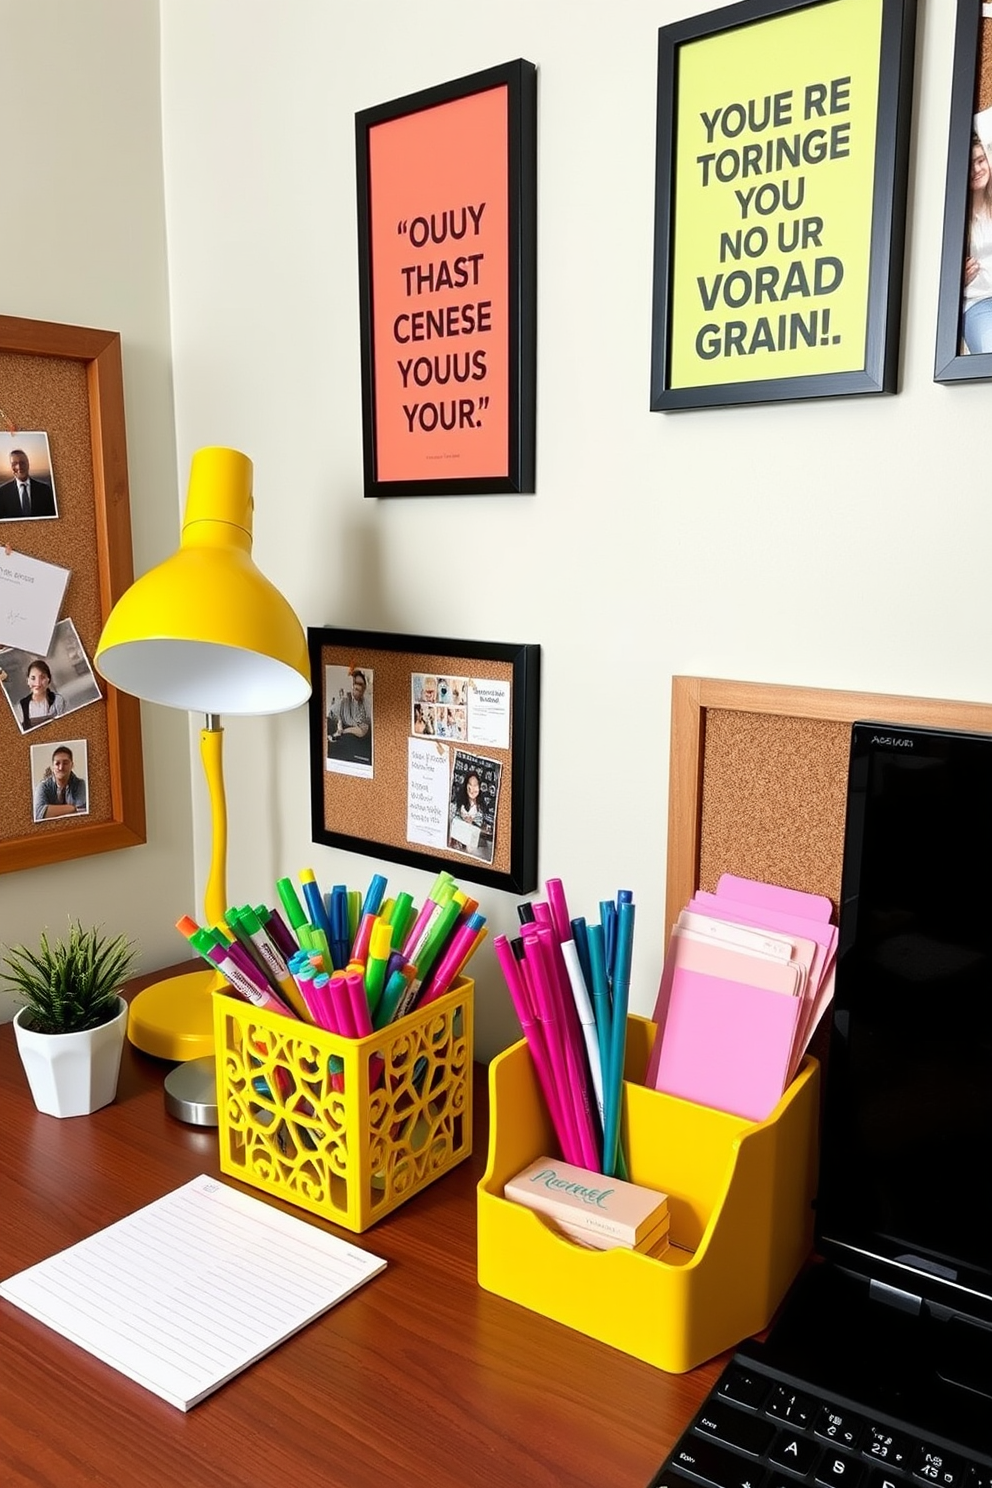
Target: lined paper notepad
(185, 1293)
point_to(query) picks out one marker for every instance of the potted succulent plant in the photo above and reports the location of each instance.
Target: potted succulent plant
(70, 1029)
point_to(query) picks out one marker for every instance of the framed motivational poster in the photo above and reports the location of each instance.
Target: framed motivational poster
(964, 316)
(782, 149)
(447, 271)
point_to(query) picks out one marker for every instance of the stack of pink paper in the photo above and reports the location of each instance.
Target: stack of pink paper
(748, 975)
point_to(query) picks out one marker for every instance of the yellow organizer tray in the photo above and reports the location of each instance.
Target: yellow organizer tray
(297, 1117)
(740, 1199)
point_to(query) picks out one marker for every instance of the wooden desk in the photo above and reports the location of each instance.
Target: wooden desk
(420, 1378)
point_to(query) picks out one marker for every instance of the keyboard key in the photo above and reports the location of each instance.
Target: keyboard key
(786, 1404)
(838, 1470)
(717, 1465)
(743, 1386)
(842, 1427)
(795, 1452)
(934, 1465)
(878, 1477)
(735, 1427)
(666, 1477)
(977, 1476)
(886, 1446)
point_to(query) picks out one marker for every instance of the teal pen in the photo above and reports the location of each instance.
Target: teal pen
(613, 1084)
(395, 987)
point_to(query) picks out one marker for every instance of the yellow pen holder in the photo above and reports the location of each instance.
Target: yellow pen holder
(347, 1128)
(740, 1198)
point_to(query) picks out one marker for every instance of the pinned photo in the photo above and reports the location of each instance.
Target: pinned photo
(472, 809)
(27, 486)
(40, 689)
(348, 695)
(58, 780)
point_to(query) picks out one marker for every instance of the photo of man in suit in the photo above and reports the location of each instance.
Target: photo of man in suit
(25, 496)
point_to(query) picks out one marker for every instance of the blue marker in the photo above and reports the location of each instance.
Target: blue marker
(374, 896)
(314, 903)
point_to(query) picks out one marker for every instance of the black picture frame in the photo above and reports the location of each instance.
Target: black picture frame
(367, 813)
(509, 466)
(877, 371)
(951, 362)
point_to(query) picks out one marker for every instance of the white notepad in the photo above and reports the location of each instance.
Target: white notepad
(185, 1293)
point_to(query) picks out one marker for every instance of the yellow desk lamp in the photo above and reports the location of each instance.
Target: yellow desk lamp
(207, 632)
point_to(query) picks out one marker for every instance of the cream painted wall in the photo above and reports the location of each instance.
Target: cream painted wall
(84, 244)
(838, 544)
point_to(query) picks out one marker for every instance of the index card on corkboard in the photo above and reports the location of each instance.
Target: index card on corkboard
(758, 779)
(424, 751)
(62, 425)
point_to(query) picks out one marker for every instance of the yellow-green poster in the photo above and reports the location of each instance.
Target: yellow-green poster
(772, 207)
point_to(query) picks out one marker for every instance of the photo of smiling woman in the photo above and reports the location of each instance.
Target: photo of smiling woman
(976, 320)
(472, 811)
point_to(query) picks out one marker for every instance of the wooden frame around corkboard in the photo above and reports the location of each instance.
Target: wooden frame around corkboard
(441, 711)
(758, 779)
(68, 381)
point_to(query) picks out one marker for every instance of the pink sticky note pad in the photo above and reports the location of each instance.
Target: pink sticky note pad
(774, 896)
(726, 1045)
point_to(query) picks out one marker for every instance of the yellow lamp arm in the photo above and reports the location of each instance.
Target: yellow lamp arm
(211, 753)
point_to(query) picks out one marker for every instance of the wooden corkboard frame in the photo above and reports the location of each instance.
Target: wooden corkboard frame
(367, 812)
(68, 380)
(758, 779)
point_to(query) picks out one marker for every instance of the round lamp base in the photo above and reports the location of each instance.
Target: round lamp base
(191, 1092)
(174, 1019)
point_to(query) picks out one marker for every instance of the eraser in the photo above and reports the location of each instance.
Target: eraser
(621, 1212)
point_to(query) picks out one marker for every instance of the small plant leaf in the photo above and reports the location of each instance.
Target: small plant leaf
(71, 984)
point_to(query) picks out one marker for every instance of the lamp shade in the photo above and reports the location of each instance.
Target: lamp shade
(205, 630)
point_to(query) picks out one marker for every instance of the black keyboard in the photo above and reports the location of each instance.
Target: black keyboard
(757, 1430)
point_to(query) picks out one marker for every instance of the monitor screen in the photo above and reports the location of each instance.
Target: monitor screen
(906, 1167)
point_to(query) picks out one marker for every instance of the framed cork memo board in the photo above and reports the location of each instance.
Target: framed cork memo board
(758, 779)
(65, 558)
(425, 751)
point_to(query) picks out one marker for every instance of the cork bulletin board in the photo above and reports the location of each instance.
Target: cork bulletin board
(758, 779)
(425, 751)
(62, 399)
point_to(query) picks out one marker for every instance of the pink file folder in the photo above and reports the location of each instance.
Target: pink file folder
(726, 1045)
(726, 961)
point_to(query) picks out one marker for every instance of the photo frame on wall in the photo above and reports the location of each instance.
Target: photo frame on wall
(447, 211)
(780, 200)
(425, 751)
(964, 310)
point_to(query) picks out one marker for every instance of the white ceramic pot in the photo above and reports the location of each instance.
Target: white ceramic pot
(72, 1074)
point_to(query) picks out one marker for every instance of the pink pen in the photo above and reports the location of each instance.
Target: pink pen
(510, 960)
(575, 1092)
(355, 987)
(245, 984)
(341, 1003)
(559, 909)
(542, 1001)
(360, 948)
(314, 991)
(463, 943)
(415, 939)
(573, 1040)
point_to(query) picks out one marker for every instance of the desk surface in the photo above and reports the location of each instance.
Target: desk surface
(420, 1378)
